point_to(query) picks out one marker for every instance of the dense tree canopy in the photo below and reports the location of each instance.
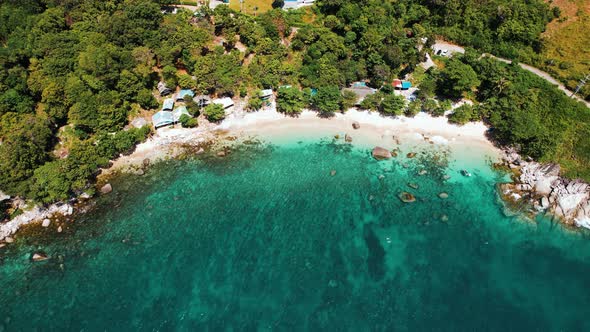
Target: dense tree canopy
(73, 73)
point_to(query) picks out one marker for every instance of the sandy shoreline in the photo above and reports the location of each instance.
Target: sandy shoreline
(269, 125)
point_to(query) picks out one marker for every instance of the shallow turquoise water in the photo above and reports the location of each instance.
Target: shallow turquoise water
(267, 239)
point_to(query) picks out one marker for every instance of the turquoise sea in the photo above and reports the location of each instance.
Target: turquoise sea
(267, 239)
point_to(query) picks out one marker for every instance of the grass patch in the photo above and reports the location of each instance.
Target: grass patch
(251, 7)
(567, 44)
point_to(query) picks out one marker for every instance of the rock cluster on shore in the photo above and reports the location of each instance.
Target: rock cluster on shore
(36, 214)
(542, 184)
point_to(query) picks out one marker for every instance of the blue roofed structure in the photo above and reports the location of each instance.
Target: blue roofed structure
(184, 92)
(168, 104)
(162, 118)
(178, 112)
(406, 85)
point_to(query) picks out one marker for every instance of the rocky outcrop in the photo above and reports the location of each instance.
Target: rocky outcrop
(380, 153)
(542, 185)
(36, 214)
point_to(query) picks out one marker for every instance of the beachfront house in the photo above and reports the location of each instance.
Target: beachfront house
(178, 112)
(168, 104)
(202, 100)
(361, 90)
(163, 89)
(183, 93)
(162, 118)
(226, 102)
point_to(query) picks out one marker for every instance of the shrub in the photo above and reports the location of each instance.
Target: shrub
(188, 122)
(392, 105)
(214, 112)
(290, 101)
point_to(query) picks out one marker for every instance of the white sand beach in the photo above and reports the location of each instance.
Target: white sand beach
(375, 129)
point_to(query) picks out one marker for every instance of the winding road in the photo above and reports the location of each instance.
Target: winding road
(452, 48)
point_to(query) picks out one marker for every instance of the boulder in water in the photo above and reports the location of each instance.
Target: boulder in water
(413, 185)
(107, 188)
(406, 197)
(333, 172)
(221, 154)
(46, 223)
(347, 138)
(356, 125)
(146, 162)
(380, 153)
(443, 195)
(411, 155)
(39, 256)
(8, 239)
(59, 229)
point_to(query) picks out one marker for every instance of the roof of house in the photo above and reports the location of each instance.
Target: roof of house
(185, 92)
(202, 97)
(225, 102)
(168, 104)
(406, 84)
(163, 89)
(178, 112)
(162, 118)
(359, 85)
(266, 93)
(361, 93)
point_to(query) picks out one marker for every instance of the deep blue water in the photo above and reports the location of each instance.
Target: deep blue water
(268, 239)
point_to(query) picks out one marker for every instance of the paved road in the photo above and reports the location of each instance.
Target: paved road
(458, 49)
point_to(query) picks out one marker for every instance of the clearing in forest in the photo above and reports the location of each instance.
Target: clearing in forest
(252, 7)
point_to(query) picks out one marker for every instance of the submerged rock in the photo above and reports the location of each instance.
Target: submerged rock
(59, 229)
(221, 154)
(333, 172)
(380, 153)
(347, 138)
(413, 185)
(411, 155)
(46, 223)
(146, 162)
(443, 195)
(406, 197)
(8, 239)
(356, 125)
(106, 189)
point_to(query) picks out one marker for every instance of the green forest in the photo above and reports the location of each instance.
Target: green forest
(74, 72)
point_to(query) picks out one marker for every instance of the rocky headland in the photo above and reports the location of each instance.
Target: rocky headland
(542, 187)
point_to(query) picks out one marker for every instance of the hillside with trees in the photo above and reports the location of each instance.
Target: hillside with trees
(74, 73)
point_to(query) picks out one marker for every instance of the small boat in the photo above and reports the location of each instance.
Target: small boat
(465, 172)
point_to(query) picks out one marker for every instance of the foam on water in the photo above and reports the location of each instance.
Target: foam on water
(268, 239)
